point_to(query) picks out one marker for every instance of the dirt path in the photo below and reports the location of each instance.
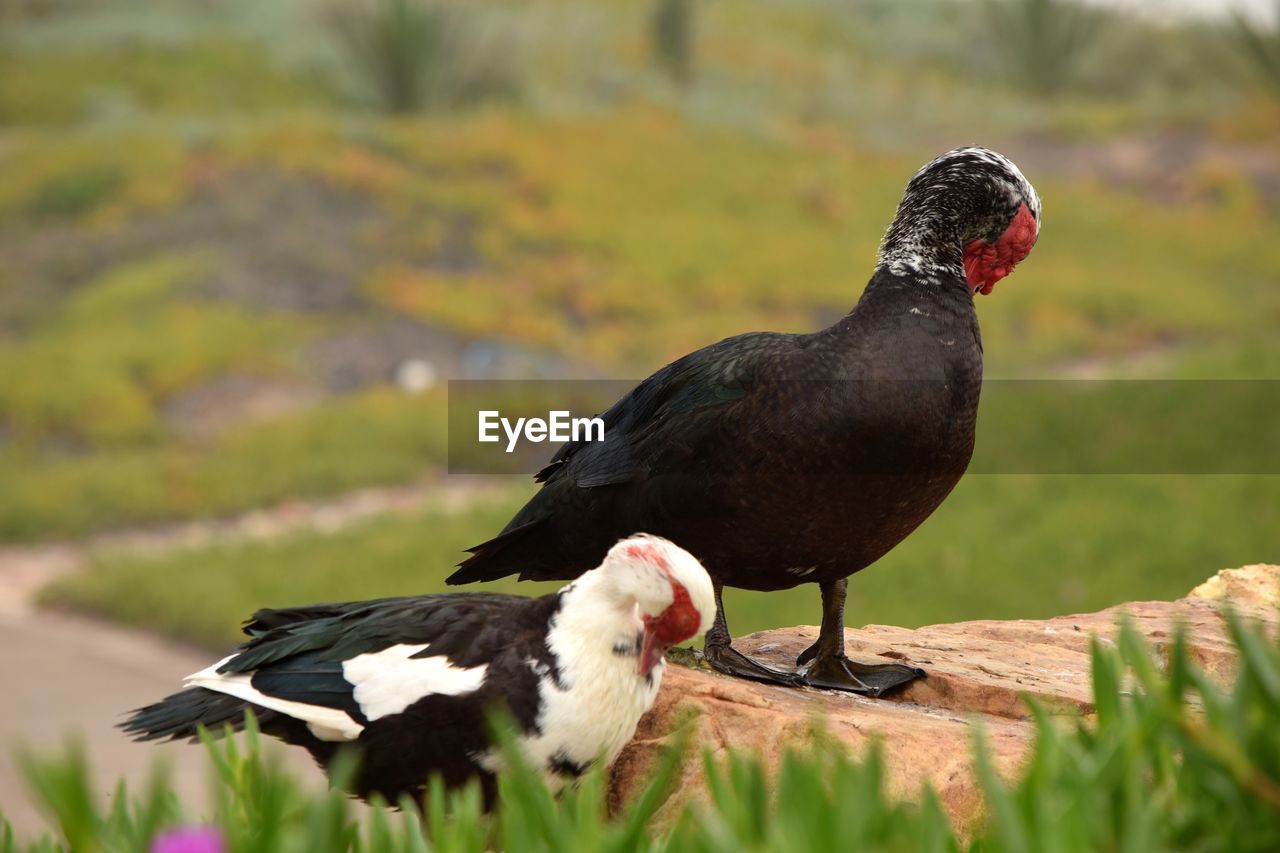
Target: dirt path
(25, 569)
(67, 676)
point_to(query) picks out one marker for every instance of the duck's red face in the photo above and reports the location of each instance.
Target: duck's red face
(986, 263)
(672, 593)
(677, 623)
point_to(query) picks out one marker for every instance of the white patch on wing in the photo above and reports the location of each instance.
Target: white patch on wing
(325, 723)
(388, 681)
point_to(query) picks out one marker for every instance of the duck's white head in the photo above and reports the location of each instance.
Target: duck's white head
(667, 586)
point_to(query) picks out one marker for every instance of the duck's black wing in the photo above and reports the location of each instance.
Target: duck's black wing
(295, 662)
(650, 432)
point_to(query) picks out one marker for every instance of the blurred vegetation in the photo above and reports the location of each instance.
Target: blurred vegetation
(1045, 40)
(1261, 47)
(378, 436)
(428, 54)
(197, 197)
(1010, 546)
(1172, 761)
(469, 221)
(673, 37)
(118, 346)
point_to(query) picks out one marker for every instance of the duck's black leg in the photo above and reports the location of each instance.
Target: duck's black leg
(724, 657)
(828, 666)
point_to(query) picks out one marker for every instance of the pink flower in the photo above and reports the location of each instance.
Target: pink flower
(189, 839)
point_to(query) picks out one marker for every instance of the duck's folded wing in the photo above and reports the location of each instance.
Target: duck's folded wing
(340, 667)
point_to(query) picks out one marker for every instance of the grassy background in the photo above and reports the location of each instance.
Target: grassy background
(219, 248)
(777, 234)
(1001, 547)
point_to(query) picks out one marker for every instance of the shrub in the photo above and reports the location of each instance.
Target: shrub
(1042, 40)
(672, 34)
(74, 193)
(417, 55)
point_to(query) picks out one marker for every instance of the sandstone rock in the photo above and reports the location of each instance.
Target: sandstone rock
(978, 672)
(1248, 588)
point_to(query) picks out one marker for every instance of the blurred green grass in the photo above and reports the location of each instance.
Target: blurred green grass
(606, 258)
(378, 436)
(119, 345)
(118, 82)
(1008, 546)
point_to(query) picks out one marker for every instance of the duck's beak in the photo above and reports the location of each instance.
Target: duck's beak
(651, 651)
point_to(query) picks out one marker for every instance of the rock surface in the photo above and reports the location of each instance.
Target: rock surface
(977, 672)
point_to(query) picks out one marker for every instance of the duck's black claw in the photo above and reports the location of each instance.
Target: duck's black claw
(808, 654)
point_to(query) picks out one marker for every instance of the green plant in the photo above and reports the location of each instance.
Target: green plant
(427, 54)
(1171, 760)
(63, 787)
(258, 808)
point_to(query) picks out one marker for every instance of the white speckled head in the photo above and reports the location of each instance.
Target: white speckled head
(969, 213)
(1001, 170)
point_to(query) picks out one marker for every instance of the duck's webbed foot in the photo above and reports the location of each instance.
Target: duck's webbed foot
(837, 672)
(725, 658)
(828, 667)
